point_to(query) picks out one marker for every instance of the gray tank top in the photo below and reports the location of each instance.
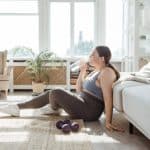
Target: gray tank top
(90, 85)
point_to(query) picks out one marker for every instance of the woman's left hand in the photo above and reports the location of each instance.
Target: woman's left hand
(112, 127)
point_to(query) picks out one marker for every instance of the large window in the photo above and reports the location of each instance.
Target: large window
(60, 28)
(84, 27)
(114, 26)
(71, 27)
(19, 26)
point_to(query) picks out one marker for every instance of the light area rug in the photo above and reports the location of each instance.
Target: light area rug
(40, 134)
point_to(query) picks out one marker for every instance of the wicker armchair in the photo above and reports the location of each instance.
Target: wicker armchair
(4, 72)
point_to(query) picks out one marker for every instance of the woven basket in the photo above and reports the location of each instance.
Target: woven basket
(57, 75)
(38, 87)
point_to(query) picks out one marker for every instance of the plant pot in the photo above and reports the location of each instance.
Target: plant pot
(38, 87)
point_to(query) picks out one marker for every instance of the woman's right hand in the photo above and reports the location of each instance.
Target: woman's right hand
(112, 127)
(83, 66)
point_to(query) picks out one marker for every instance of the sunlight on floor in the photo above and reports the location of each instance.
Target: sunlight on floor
(86, 129)
(17, 136)
(72, 137)
(82, 137)
(102, 139)
(15, 98)
(14, 124)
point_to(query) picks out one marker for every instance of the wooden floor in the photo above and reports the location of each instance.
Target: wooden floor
(100, 138)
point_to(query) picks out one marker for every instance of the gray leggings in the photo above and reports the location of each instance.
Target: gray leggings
(84, 107)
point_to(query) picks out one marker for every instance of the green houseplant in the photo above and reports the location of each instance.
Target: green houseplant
(37, 67)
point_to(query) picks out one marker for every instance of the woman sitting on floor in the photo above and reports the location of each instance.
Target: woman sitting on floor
(94, 92)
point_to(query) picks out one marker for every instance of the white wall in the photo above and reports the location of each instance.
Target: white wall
(138, 25)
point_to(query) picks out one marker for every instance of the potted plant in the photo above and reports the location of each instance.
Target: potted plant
(38, 70)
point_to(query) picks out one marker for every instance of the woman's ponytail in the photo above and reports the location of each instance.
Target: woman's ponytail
(115, 70)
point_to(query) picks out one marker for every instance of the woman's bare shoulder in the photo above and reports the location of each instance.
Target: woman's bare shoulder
(108, 73)
(107, 70)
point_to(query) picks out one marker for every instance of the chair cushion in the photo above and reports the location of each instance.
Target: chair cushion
(136, 104)
(4, 77)
(4, 85)
(3, 59)
(1, 63)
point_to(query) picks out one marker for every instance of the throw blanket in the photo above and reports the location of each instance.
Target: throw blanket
(142, 76)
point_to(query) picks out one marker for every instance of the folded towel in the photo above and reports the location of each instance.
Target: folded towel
(142, 76)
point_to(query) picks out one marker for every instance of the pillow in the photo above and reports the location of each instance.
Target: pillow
(144, 71)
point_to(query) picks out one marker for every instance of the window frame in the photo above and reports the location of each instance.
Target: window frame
(72, 19)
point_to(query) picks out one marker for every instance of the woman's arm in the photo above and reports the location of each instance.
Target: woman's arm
(107, 78)
(81, 77)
